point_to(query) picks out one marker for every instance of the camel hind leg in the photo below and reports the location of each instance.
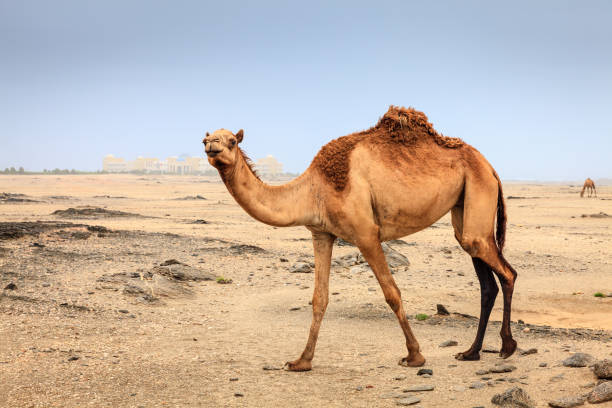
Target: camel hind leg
(477, 239)
(488, 291)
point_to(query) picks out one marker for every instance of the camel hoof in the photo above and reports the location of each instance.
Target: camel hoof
(416, 361)
(508, 349)
(468, 356)
(298, 365)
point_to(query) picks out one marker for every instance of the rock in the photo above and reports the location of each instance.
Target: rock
(240, 249)
(567, 402)
(482, 372)
(543, 365)
(270, 368)
(360, 269)
(557, 378)
(300, 267)
(514, 397)
(283, 260)
(46, 285)
(182, 272)
(448, 343)
(10, 286)
(419, 388)
(73, 358)
(601, 393)
(394, 258)
(578, 360)
(399, 378)
(603, 369)
(425, 371)
(238, 394)
(528, 352)
(442, 310)
(502, 368)
(477, 385)
(123, 311)
(408, 401)
(234, 379)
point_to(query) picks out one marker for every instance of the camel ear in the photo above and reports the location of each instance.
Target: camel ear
(207, 134)
(239, 135)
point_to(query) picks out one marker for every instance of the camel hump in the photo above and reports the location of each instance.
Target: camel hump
(408, 123)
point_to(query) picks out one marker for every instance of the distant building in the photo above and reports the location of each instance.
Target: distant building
(114, 164)
(268, 166)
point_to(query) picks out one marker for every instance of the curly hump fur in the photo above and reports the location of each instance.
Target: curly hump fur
(404, 126)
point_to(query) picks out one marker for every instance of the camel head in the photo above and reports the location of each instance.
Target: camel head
(221, 147)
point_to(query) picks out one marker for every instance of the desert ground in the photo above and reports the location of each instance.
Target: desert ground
(91, 316)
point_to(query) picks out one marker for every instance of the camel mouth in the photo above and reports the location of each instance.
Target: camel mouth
(213, 153)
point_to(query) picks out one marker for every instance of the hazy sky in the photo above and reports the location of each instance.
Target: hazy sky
(527, 83)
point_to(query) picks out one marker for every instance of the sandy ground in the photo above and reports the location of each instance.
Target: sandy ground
(71, 336)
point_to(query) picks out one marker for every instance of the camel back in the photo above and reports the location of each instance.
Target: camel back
(403, 126)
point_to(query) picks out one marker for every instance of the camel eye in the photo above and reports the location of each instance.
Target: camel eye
(233, 142)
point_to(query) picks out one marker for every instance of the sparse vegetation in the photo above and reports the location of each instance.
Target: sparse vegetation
(422, 316)
(599, 294)
(223, 280)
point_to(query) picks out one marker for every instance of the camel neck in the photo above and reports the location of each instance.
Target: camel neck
(281, 206)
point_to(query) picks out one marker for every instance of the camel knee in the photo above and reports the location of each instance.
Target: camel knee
(473, 246)
(393, 299)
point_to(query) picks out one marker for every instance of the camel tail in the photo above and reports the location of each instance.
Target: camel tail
(500, 234)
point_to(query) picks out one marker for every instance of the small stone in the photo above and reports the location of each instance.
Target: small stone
(46, 284)
(513, 397)
(270, 368)
(578, 360)
(442, 310)
(601, 393)
(526, 330)
(556, 378)
(449, 343)
(293, 309)
(503, 368)
(301, 267)
(10, 286)
(567, 402)
(234, 379)
(477, 385)
(73, 358)
(603, 369)
(482, 372)
(399, 378)
(425, 371)
(238, 394)
(359, 388)
(543, 365)
(284, 260)
(408, 401)
(419, 388)
(528, 352)
(123, 311)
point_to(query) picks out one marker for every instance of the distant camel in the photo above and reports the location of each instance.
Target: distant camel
(389, 181)
(589, 185)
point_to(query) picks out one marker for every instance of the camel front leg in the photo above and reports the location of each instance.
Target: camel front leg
(323, 244)
(373, 253)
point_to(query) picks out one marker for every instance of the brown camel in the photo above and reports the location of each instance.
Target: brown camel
(589, 185)
(394, 179)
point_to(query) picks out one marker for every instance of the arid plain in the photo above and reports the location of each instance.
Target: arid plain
(91, 316)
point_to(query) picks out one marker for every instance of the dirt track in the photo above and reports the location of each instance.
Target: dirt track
(75, 332)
